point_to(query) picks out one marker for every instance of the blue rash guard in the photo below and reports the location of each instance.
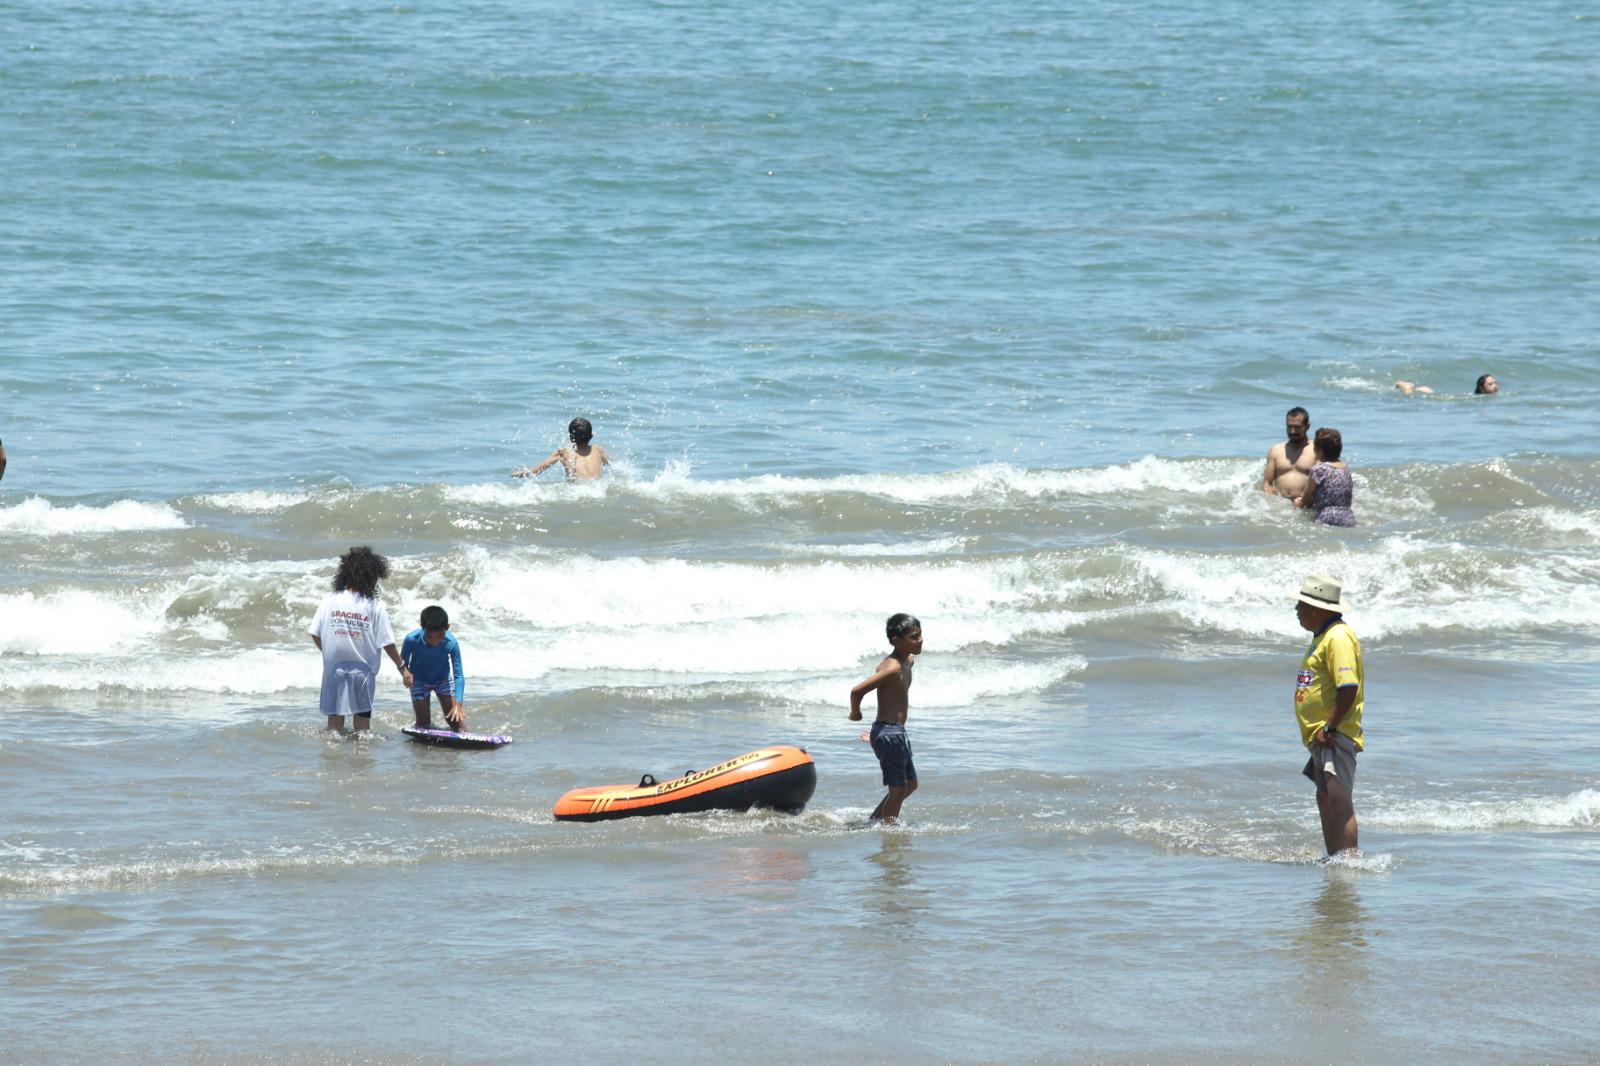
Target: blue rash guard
(431, 664)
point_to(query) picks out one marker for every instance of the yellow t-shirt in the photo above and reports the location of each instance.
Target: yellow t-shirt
(1332, 662)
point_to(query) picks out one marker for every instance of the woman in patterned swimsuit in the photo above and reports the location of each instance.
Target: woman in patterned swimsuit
(1331, 488)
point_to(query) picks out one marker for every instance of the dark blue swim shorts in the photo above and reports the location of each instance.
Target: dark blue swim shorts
(893, 749)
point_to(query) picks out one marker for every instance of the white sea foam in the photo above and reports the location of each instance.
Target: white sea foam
(259, 501)
(39, 517)
(1366, 862)
(1576, 810)
(900, 549)
(992, 484)
(949, 683)
(955, 684)
(733, 618)
(1357, 383)
(526, 615)
(1584, 523)
(250, 672)
(74, 873)
(528, 492)
(76, 621)
(1404, 586)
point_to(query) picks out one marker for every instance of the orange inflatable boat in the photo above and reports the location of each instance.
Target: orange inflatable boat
(782, 778)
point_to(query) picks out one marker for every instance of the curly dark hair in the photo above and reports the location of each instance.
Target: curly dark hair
(360, 570)
(1328, 444)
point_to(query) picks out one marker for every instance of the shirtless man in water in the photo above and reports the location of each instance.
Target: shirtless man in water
(892, 681)
(1289, 464)
(582, 462)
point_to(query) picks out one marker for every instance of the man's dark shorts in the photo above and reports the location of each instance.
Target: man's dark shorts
(1335, 760)
(893, 749)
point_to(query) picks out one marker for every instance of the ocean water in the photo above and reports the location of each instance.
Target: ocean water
(985, 314)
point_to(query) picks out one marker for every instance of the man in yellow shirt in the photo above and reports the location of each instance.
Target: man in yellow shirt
(1328, 698)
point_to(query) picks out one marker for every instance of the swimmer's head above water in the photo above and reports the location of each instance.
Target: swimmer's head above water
(1487, 386)
(580, 432)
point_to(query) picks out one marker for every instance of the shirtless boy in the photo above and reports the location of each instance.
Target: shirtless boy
(892, 680)
(582, 462)
(1289, 464)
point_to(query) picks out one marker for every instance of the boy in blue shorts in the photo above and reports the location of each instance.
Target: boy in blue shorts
(892, 680)
(434, 659)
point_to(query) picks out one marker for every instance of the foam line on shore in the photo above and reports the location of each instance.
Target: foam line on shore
(1575, 810)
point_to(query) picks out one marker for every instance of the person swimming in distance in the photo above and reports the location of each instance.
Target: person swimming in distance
(582, 462)
(1486, 386)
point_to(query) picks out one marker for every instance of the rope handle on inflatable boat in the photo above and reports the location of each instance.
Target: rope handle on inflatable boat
(649, 780)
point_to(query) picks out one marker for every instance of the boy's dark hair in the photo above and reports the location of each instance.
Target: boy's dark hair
(579, 431)
(1300, 412)
(1329, 444)
(434, 619)
(1479, 390)
(899, 625)
(360, 570)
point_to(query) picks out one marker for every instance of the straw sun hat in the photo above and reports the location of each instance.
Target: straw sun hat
(1320, 591)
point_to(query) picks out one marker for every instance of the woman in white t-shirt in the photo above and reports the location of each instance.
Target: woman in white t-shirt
(351, 629)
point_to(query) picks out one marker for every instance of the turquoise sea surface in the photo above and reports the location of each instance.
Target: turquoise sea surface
(985, 313)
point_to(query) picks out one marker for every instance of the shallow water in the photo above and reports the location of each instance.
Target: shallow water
(990, 316)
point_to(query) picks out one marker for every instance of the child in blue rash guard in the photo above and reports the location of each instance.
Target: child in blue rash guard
(434, 659)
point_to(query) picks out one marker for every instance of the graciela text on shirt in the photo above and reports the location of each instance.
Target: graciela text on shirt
(349, 623)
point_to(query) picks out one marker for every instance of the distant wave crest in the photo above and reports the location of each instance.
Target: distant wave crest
(40, 518)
